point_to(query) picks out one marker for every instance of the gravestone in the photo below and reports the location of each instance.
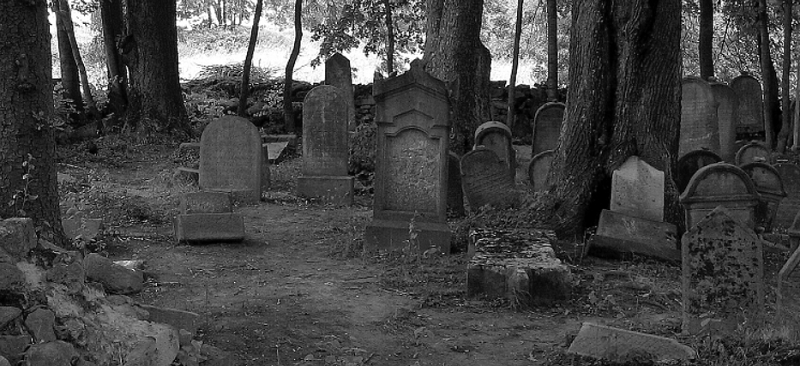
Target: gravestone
(692, 162)
(231, 159)
(455, 194)
(496, 136)
(486, 180)
(637, 189)
(547, 127)
(727, 119)
(207, 217)
(770, 190)
(750, 108)
(412, 115)
(723, 269)
(790, 206)
(325, 151)
(788, 295)
(339, 74)
(752, 152)
(699, 129)
(538, 169)
(723, 185)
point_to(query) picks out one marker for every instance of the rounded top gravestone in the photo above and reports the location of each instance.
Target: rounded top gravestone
(692, 162)
(750, 108)
(699, 129)
(496, 136)
(727, 119)
(325, 150)
(770, 186)
(547, 127)
(720, 184)
(231, 158)
(752, 152)
(538, 169)
(486, 180)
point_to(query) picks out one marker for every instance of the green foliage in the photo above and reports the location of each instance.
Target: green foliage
(22, 196)
(362, 149)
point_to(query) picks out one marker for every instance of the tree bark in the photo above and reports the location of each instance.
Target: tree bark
(512, 95)
(248, 61)
(706, 39)
(387, 5)
(552, 51)
(151, 54)
(288, 110)
(769, 78)
(70, 80)
(113, 30)
(455, 54)
(783, 135)
(26, 133)
(66, 14)
(624, 100)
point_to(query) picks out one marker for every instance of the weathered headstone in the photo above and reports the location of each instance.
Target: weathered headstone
(325, 152)
(231, 159)
(691, 162)
(790, 206)
(788, 294)
(496, 136)
(752, 152)
(547, 127)
(486, 180)
(727, 119)
(770, 190)
(620, 234)
(455, 194)
(412, 114)
(723, 269)
(699, 129)
(724, 185)
(622, 346)
(538, 169)
(637, 189)
(339, 74)
(207, 217)
(750, 108)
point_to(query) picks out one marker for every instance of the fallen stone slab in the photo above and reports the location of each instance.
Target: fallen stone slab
(208, 227)
(206, 202)
(179, 319)
(620, 345)
(621, 233)
(114, 278)
(17, 236)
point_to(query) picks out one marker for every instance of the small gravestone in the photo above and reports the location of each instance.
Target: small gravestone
(770, 190)
(207, 217)
(692, 162)
(788, 302)
(486, 180)
(496, 136)
(339, 74)
(637, 189)
(538, 169)
(727, 119)
(325, 151)
(231, 159)
(790, 206)
(723, 185)
(699, 129)
(618, 233)
(750, 108)
(752, 152)
(412, 115)
(723, 269)
(547, 127)
(455, 194)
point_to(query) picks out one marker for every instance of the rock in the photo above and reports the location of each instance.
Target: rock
(11, 279)
(40, 324)
(116, 279)
(217, 357)
(621, 345)
(82, 228)
(179, 319)
(64, 178)
(4, 362)
(57, 353)
(8, 314)
(622, 233)
(12, 347)
(17, 236)
(68, 270)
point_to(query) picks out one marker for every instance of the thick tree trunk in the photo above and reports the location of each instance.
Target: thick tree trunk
(783, 135)
(769, 78)
(387, 5)
(706, 39)
(455, 54)
(288, 110)
(151, 52)
(113, 29)
(552, 51)
(70, 80)
(248, 61)
(27, 141)
(66, 14)
(512, 95)
(624, 100)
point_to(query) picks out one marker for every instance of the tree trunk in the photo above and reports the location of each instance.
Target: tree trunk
(624, 100)
(706, 39)
(796, 126)
(66, 15)
(70, 80)
(27, 141)
(768, 76)
(783, 135)
(111, 14)
(387, 5)
(512, 95)
(248, 61)
(288, 110)
(552, 51)
(455, 54)
(151, 52)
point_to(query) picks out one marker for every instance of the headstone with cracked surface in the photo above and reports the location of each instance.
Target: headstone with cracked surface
(620, 345)
(538, 169)
(723, 185)
(486, 180)
(231, 158)
(496, 136)
(637, 189)
(751, 153)
(699, 128)
(547, 127)
(750, 108)
(769, 186)
(691, 162)
(339, 74)
(790, 206)
(727, 119)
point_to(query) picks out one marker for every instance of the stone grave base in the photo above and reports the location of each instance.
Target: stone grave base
(386, 235)
(246, 196)
(519, 265)
(618, 233)
(205, 227)
(337, 190)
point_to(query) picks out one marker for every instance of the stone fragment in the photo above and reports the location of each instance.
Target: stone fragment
(8, 314)
(209, 227)
(56, 353)
(179, 319)
(17, 236)
(620, 345)
(40, 324)
(231, 158)
(67, 271)
(620, 233)
(115, 279)
(637, 189)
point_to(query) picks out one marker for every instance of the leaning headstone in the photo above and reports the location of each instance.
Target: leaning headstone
(538, 169)
(752, 152)
(727, 119)
(455, 194)
(486, 180)
(325, 152)
(723, 185)
(788, 293)
(231, 159)
(496, 136)
(621, 234)
(547, 127)
(770, 190)
(412, 114)
(723, 269)
(692, 162)
(790, 206)
(339, 74)
(699, 129)
(637, 189)
(620, 345)
(750, 108)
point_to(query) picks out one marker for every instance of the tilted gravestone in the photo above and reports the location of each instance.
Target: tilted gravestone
(770, 190)
(723, 185)
(412, 114)
(637, 189)
(727, 119)
(752, 152)
(788, 294)
(496, 136)
(750, 108)
(699, 129)
(339, 74)
(538, 169)
(231, 159)
(723, 269)
(691, 162)
(547, 127)
(455, 194)
(325, 151)
(486, 180)
(790, 206)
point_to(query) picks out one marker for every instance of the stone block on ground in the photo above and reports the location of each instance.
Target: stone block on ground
(209, 227)
(179, 319)
(41, 325)
(622, 345)
(12, 279)
(206, 202)
(13, 347)
(520, 265)
(620, 233)
(17, 236)
(114, 278)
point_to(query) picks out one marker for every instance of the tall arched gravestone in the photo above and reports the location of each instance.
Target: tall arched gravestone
(538, 169)
(770, 189)
(496, 136)
(751, 107)
(752, 152)
(547, 127)
(412, 114)
(727, 119)
(325, 151)
(699, 129)
(691, 162)
(231, 158)
(723, 185)
(339, 74)
(486, 180)
(788, 209)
